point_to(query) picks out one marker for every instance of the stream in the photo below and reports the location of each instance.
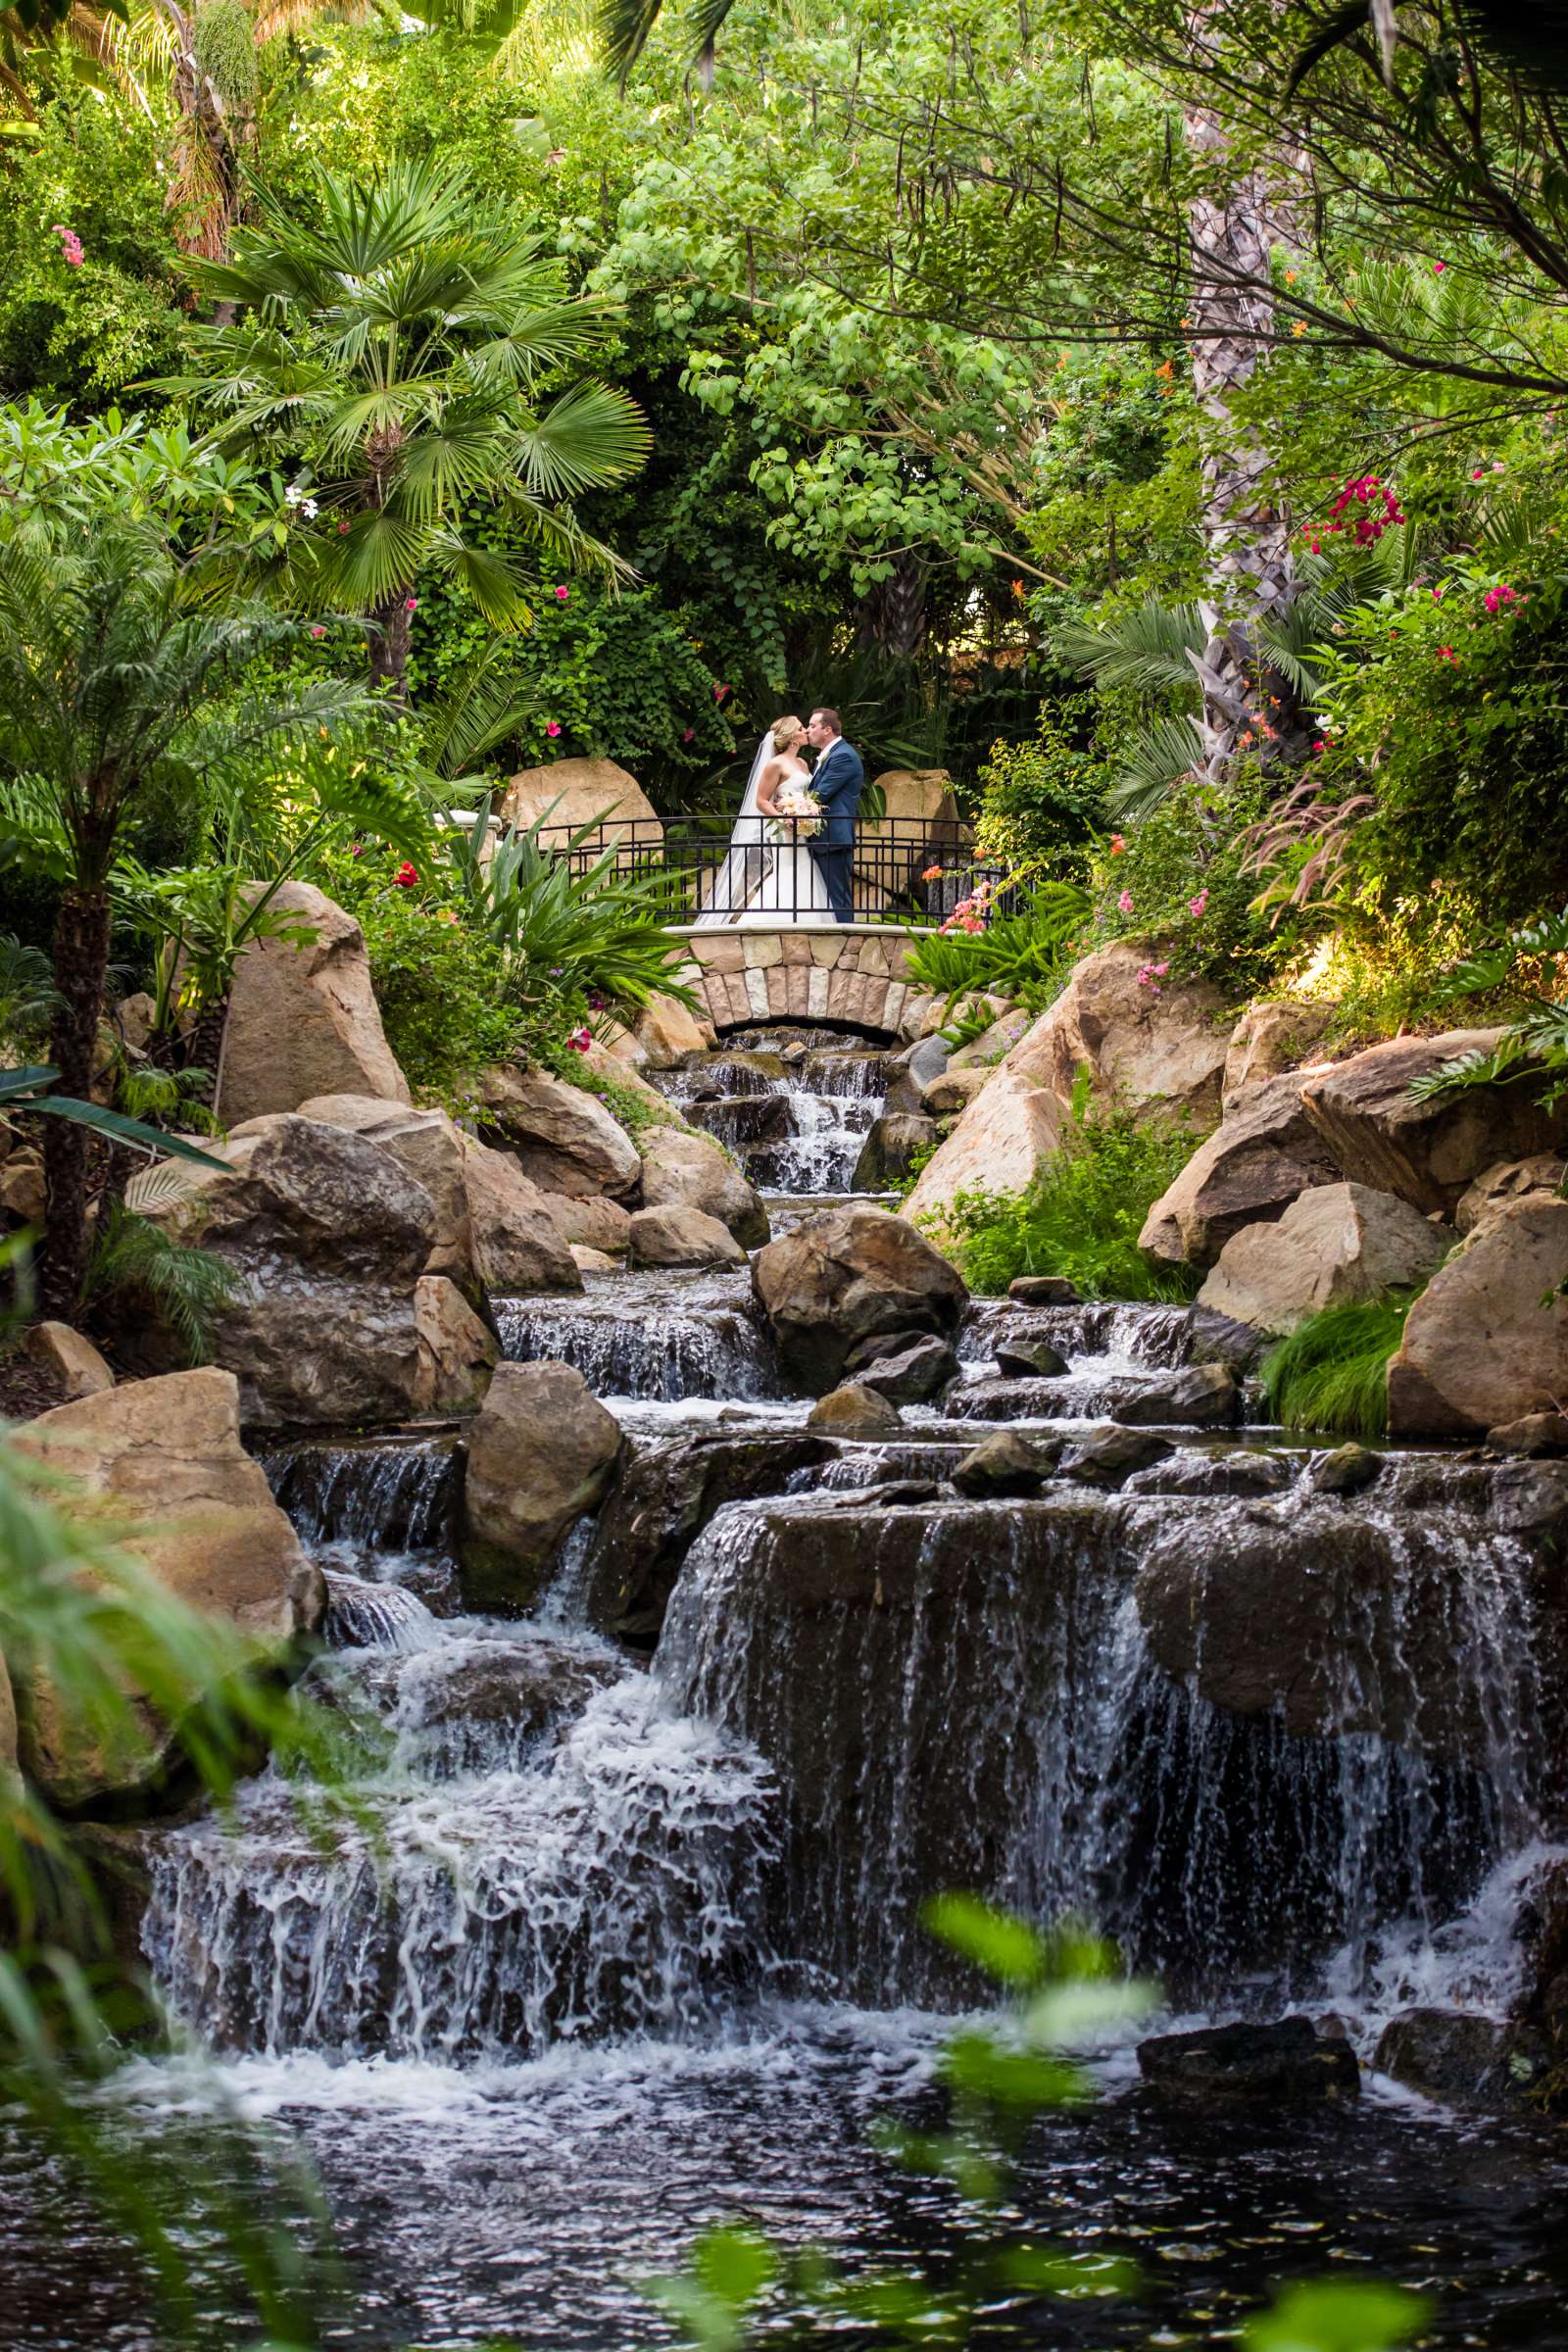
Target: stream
(624, 1937)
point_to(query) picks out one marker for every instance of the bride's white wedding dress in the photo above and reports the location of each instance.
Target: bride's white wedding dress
(764, 883)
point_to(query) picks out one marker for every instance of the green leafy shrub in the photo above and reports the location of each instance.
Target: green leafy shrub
(186, 1288)
(1023, 957)
(1081, 1216)
(1180, 876)
(1041, 803)
(1331, 1373)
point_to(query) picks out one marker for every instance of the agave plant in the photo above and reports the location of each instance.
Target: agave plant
(392, 355)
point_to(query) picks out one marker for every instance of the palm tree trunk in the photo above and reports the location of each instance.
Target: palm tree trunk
(203, 1049)
(81, 961)
(389, 645)
(1246, 533)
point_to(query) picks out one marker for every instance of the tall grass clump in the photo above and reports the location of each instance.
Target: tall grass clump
(1082, 1214)
(1331, 1373)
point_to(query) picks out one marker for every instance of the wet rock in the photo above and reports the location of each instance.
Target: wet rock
(1533, 1434)
(542, 1452)
(303, 1020)
(163, 1459)
(1428, 1151)
(1110, 1455)
(842, 1277)
(429, 1147)
(1238, 1473)
(681, 1237)
(1486, 1341)
(326, 1235)
(1202, 1396)
(68, 1357)
(562, 1137)
(1267, 1040)
(911, 1375)
(1347, 1470)
(740, 1120)
(1335, 1246)
(1031, 1359)
(1529, 1496)
(885, 1495)
(1044, 1290)
(660, 1505)
(887, 1156)
(685, 1170)
(1453, 2055)
(1540, 1178)
(881, 1344)
(1247, 1174)
(854, 1411)
(1286, 2064)
(910, 1071)
(458, 1351)
(668, 1034)
(1006, 1464)
(1216, 1339)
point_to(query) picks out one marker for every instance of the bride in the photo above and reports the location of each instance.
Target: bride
(768, 876)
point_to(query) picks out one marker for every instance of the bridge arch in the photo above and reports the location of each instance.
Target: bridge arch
(851, 977)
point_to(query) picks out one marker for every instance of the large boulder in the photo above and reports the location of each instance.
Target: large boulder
(682, 1169)
(304, 1020)
(457, 1352)
(1288, 2062)
(1247, 1174)
(572, 792)
(517, 1245)
(668, 1034)
(1155, 1051)
(429, 1147)
(1267, 1040)
(562, 1137)
(887, 1156)
(600, 1225)
(159, 1461)
(681, 1237)
(1335, 1246)
(326, 1235)
(1486, 1341)
(1428, 1151)
(542, 1452)
(841, 1277)
(999, 1146)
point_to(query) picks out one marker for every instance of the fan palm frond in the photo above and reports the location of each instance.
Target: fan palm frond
(1148, 651)
(1150, 761)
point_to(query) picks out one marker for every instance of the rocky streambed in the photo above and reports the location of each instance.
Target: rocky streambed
(677, 1695)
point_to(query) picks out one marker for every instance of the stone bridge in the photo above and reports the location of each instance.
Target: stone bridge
(851, 977)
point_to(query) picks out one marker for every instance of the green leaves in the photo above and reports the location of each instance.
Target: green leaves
(1005, 1947)
(729, 2273)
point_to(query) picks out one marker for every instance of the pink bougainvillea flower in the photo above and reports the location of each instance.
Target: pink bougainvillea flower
(70, 245)
(1125, 902)
(687, 733)
(406, 875)
(1475, 472)
(1446, 653)
(411, 604)
(1437, 268)
(720, 691)
(562, 595)
(1196, 905)
(552, 727)
(318, 631)
(1437, 594)
(1496, 597)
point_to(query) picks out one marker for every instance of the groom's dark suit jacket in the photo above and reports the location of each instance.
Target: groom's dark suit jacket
(836, 781)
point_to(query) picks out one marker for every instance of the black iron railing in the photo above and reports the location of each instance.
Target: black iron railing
(723, 871)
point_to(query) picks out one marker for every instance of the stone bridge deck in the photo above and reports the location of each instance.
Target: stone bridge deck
(854, 976)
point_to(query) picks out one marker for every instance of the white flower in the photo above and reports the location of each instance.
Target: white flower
(308, 509)
(292, 496)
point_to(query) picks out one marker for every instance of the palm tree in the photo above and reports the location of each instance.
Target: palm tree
(392, 354)
(121, 676)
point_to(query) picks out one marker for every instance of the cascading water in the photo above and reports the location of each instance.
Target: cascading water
(1283, 1742)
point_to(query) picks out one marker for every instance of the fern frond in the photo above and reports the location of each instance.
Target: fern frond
(187, 1288)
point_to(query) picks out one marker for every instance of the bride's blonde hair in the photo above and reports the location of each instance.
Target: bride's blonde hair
(786, 731)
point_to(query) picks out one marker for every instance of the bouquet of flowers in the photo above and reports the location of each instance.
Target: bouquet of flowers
(800, 815)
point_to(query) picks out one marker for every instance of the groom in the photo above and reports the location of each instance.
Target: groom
(836, 781)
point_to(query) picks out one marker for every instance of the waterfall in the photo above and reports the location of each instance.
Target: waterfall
(657, 1337)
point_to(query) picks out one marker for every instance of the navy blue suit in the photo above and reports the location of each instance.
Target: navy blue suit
(836, 781)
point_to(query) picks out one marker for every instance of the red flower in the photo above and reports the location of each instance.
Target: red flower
(1446, 653)
(687, 733)
(720, 691)
(562, 595)
(406, 877)
(553, 726)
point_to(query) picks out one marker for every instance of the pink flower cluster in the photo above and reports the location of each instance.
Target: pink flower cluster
(1379, 510)
(1151, 974)
(969, 915)
(1194, 906)
(71, 252)
(1496, 598)
(579, 1041)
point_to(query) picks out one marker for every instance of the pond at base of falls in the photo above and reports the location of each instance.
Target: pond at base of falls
(614, 1948)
